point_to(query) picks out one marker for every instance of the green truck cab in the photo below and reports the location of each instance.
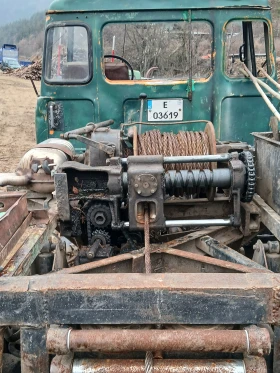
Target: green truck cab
(180, 60)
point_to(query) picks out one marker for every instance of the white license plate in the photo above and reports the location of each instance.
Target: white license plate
(165, 110)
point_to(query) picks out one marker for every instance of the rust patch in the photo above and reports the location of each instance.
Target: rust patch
(190, 340)
(161, 366)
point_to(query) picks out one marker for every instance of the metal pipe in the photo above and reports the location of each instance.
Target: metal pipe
(253, 341)
(90, 127)
(198, 223)
(201, 223)
(261, 92)
(193, 159)
(1, 348)
(269, 89)
(52, 125)
(163, 366)
(14, 180)
(198, 158)
(277, 85)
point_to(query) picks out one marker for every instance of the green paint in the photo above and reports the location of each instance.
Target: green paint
(190, 87)
(107, 5)
(217, 99)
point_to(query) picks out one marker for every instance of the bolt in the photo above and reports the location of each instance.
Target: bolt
(152, 191)
(136, 185)
(139, 192)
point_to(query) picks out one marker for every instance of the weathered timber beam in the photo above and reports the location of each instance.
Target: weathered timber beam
(26, 252)
(269, 217)
(189, 298)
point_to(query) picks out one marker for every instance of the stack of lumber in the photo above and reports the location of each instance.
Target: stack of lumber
(33, 71)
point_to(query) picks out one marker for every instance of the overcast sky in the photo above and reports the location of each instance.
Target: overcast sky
(18, 9)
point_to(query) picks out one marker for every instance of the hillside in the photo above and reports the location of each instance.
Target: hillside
(15, 10)
(27, 34)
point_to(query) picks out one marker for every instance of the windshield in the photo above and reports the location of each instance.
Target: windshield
(10, 53)
(158, 50)
(12, 63)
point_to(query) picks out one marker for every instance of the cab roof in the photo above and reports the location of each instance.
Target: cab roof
(133, 5)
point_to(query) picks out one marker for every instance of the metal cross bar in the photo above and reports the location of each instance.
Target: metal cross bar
(253, 341)
(170, 366)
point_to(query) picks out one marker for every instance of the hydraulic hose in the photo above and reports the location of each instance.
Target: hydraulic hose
(14, 180)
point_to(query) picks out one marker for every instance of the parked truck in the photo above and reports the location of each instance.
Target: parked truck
(141, 233)
(9, 57)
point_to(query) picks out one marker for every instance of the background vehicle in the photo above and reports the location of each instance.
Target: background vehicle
(9, 57)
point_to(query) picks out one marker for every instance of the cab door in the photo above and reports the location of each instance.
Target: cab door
(243, 110)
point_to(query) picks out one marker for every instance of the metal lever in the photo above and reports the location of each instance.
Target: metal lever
(142, 97)
(52, 125)
(90, 127)
(94, 249)
(109, 149)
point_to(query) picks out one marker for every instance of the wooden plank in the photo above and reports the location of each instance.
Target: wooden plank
(141, 299)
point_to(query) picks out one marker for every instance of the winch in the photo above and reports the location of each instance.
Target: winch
(125, 174)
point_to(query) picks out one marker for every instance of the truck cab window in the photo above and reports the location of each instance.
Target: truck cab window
(247, 42)
(67, 55)
(157, 50)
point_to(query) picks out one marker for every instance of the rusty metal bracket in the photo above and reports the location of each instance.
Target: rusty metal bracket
(213, 248)
(62, 196)
(250, 218)
(109, 149)
(34, 356)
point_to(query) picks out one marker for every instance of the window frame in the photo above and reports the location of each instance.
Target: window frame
(90, 54)
(160, 82)
(268, 45)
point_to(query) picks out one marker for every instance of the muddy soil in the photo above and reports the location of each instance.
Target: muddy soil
(17, 120)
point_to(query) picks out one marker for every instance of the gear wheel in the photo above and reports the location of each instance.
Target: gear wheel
(100, 215)
(249, 191)
(101, 235)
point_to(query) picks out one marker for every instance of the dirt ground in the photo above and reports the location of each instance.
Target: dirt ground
(17, 120)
